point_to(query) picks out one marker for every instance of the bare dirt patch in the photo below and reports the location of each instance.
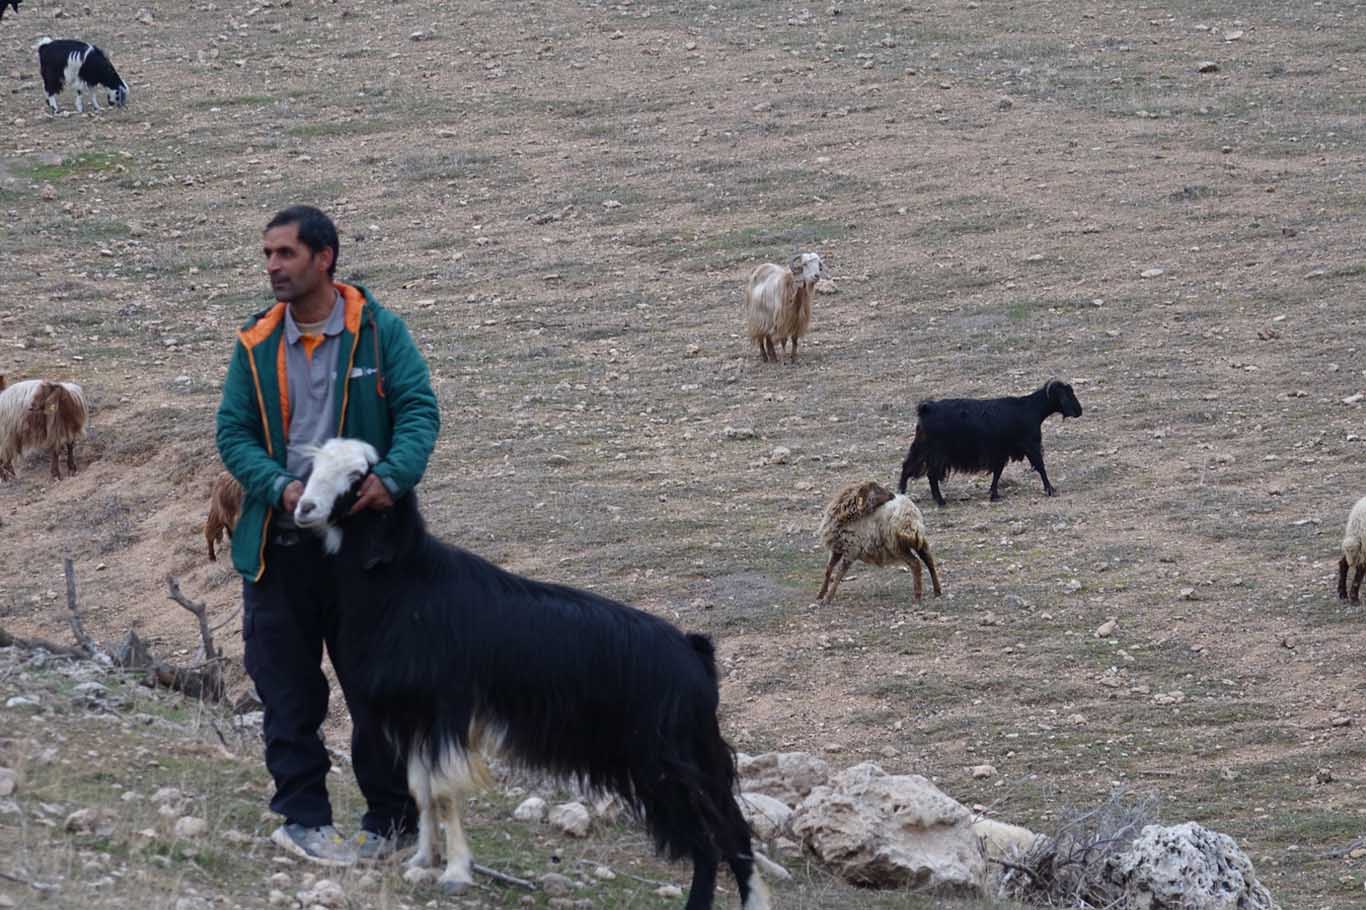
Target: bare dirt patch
(989, 184)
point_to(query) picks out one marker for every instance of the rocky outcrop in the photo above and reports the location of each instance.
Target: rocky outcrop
(785, 776)
(892, 831)
(1186, 867)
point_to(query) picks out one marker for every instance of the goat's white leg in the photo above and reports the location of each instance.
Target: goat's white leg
(420, 785)
(95, 99)
(52, 103)
(80, 102)
(459, 874)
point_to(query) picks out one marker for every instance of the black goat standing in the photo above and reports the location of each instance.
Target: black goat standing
(452, 651)
(12, 4)
(976, 435)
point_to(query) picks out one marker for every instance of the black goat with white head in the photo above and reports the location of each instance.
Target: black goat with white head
(12, 4)
(82, 66)
(457, 656)
(977, 435)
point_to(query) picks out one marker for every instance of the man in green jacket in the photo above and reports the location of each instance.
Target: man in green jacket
(325, 361)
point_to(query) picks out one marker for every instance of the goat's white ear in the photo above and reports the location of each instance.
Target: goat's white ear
(371, 455)
(796, 265)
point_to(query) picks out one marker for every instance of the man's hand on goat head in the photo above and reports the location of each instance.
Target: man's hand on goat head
(373, 495)
(289, 497)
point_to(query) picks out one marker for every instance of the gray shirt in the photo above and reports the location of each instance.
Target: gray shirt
(312, 388)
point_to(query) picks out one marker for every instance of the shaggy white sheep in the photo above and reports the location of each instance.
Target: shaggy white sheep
(778, 302)
(866, 522)
(37, 414)
(1353, 552)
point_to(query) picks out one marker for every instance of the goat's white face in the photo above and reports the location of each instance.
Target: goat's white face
(339, 465)
(809, 268)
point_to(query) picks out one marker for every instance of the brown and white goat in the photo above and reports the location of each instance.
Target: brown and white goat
(866, 522)
(37, 414)
(778, 303)
(225, 503)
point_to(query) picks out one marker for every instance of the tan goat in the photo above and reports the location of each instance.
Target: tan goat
(778, 303)
(225, 502)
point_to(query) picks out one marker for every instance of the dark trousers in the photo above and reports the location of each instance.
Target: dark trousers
(288, 617)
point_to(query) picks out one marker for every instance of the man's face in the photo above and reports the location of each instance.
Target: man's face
(295, 271)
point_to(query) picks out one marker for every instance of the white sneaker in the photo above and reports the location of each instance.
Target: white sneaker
(324, 846)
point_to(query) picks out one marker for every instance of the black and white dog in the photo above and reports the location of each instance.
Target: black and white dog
(12, 4)
(82, 66)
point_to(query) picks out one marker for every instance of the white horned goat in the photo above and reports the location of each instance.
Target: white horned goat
(1353, 552)
(778, 303)
(866, 522)
(40, 414)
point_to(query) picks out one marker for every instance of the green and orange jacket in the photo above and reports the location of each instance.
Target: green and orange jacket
(384, 396)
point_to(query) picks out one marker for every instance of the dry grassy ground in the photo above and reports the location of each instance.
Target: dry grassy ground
(988, 182)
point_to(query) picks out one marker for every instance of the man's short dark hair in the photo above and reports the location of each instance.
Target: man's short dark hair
(316, 230)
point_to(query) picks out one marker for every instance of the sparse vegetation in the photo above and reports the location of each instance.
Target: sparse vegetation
(930, 153)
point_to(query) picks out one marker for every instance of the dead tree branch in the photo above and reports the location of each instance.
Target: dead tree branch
(504, 877)
(74, 613)
(34, 644)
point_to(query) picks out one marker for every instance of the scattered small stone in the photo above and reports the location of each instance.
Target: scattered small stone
(1152, 273)
(1072, 586)
(669, 891)
(278, 898)
(190, 827)
(1353, 399)
(557, 885)
(83, 821)
(166, 795)
(1208, 66)
(739, 433)
(9, 781)
(762, 107)
(557, 460)
(280, 880)
(571, 818)
(192, 903)
(780, 455)
(1188, 593)
(1341, 720)
(611, 204)
(982, 772)
(604, 873)
(419, 875)
(531, 809)
(1106, 629)
(1004, 104)
(48, 192)
(1324, 776)
(324, 893)
(1234, 35)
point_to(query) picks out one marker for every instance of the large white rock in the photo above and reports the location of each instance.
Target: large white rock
(892, 831)
(767, 816)
(785, 776)
(1187, 867)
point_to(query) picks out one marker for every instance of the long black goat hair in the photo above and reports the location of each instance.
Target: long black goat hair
(977, 435)
(454, 653)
